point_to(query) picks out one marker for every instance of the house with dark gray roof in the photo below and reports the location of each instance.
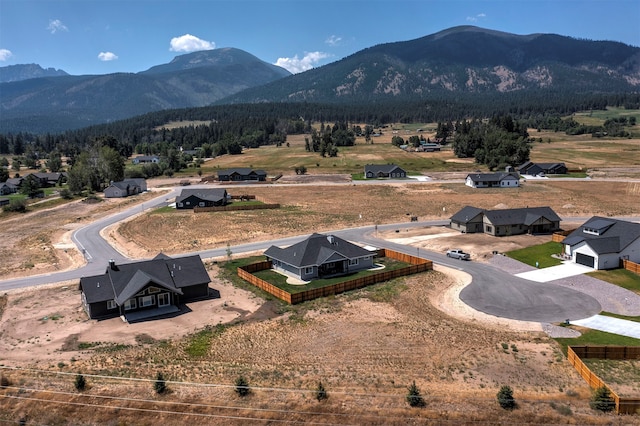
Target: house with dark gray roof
(190, 198)
(320, 256)
(386, 171)
(125, 188)
(144, 289)
(504, 222)
(493, 180)
(601, 243)
(535, 169)
(241, 174)
(143, 159)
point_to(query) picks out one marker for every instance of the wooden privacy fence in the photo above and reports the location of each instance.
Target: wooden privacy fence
(574, 355)
(631, 266)
(558, 236)
(417, 265)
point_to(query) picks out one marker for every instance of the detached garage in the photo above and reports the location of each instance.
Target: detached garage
(601, 243)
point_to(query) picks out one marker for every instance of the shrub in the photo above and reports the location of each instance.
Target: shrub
(242, 386)
(321, 393)
(66, 194)
(413, 397)
(505, 398)
(160, 385)
(4, 381)
(16, 205)
(602, 400)
(80, 383)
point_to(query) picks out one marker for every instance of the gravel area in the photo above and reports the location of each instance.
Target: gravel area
(509, 265)
(557, 331)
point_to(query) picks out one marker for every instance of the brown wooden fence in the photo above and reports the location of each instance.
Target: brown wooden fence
(574, 355)
(417, 265)
(631, 266)
(558, 236)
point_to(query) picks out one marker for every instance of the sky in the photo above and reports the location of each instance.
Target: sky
(108, 36)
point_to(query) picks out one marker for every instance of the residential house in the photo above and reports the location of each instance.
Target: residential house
(144, 289)
(387, 171)
(125, 188)
(601, 243)
(7, 188)
(190, 198)
(240, 174)
(535, 169)
(47, 180)
(493, 180)
(503, 222)
(142, 159)
(320, 256)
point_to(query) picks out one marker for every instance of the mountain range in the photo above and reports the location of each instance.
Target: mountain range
(461, 60)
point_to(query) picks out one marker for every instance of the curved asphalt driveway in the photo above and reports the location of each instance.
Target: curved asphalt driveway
(492, 290)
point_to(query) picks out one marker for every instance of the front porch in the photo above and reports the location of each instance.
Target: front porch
(137, 316)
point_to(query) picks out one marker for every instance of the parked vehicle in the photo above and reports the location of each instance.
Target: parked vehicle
(458, 254)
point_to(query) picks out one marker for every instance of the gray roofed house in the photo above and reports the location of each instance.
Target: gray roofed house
(377, 171)
(142, 159)
(527, 220)
(125, 188)
(534, 169)
(190, 198)
(242, 173)
(493, 180)
(320, 256)
(144, 289)
(601, 243)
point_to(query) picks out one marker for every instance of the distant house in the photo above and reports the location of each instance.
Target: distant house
(190, 198)
(493, 180)
(142, 159)
(8, 188)
(601, 242)
(429, 147)
(535, 169)
(240, 174)
(320, 256)
(387, 171)
(125, 188)
(144, 289)
(504, 222)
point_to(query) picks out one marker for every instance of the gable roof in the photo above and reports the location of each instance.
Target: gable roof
(466, 214)
(525, 216)
(316, 250)
(492, 177)
(244, 171)
(212, 194)
(605, 235)
(381, 168)
(120, 282)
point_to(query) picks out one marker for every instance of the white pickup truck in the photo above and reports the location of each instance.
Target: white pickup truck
(458, 254)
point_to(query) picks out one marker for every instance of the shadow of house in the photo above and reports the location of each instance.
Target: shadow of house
(144, 289)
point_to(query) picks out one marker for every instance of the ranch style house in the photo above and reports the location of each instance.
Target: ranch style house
(240, 174)
(144, 289)
(125, 188)
(320, 256)
(601, 243)
(379, 171)
(535, 169)
(528, 220)
(493, 180)
(190, 198)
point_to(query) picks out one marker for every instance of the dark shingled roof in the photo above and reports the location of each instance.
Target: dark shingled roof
(613, 235)
(381, 168)
(244, 171)
(213, 194)
(526, 215)
(466, 214)
(317, 250)
(122, 281)
(491, 177)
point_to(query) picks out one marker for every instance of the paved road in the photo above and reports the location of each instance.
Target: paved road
(491, 291)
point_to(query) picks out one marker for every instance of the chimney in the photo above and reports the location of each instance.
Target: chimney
(331, 239)
(112, 264)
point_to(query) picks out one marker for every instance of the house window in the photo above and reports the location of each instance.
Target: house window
(308, 270)
(163, 299)
(489, 228)
(201, 204)
(147, 301)
(111, 304)
(180, 204)
(153, 290)
(130, 304)
(353, 262)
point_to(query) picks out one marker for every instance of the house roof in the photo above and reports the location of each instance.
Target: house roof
(525, 216)
(120, 282)
(213, 194)
(244, 171)
(466, 214)
(316, 250)
(381, 168)
(492, 177)
(605, 235)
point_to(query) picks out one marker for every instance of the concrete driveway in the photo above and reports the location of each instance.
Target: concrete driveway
(611, 325)
(552, 273)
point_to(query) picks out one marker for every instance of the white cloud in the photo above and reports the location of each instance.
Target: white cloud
(189, 43)
(296, 65)
(56, 25)
(5, 54)
(333, 40)
(476, 17)
(107, 56)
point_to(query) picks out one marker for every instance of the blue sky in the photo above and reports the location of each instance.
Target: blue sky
(106, 36)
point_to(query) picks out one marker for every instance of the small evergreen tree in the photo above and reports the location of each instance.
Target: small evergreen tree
(321, 393)
(4, 381)
(505, 398)
(80, 383)
(413, 397)
(242, 386)
(602, 400)
(160, 385)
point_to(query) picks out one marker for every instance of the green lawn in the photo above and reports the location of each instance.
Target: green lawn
(596, 337)
(620, 277)
(540, 253)
(624, 317)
